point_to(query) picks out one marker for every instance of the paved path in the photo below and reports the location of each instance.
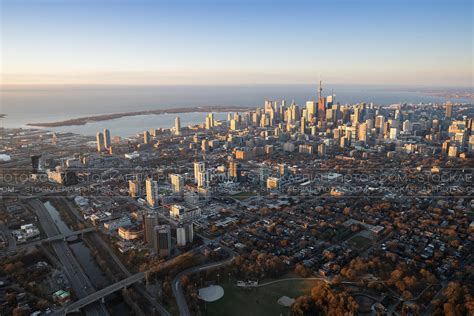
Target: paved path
(325, 280)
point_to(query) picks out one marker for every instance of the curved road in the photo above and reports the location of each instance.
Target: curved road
(178, 288)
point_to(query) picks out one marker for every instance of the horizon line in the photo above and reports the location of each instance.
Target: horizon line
(98, 84)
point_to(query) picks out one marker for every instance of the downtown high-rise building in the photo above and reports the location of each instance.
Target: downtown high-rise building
(356, 117)
(449, 110)
(311, 110)
(379, 123)
(303, 125)
(363, 132)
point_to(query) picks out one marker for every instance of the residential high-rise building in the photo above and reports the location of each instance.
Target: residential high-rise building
(151, 192)
(146, 137)
(205, 145)
(189, 228)
(177, 184)
(322, 149)
(198, 167)
(162, 240)
(134, 188)
(234, 125)
(283, 170)
(470, 145)
(344, 142)
(36, 163)
(393, 133)
(203, 179)
(211, 119)
(407, 127)
(150, 221)
(453, 151)
(235, 170)
(100, 141)
(184, 233)
(106, 138)
(177, 126)
(208, 122)
(180, 236)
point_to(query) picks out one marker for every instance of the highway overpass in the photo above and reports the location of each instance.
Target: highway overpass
(74, 307)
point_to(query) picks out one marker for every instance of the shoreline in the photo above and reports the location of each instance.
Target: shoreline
(106, 117)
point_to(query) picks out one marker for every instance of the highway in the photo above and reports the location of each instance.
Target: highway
(60, 237)
(85, 301)
(53, 238)
(139, 287)
(73, 270)
(84, 289)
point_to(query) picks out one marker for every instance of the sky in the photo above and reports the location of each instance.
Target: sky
(201, 42)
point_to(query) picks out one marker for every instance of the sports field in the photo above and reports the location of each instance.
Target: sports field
(257, 301)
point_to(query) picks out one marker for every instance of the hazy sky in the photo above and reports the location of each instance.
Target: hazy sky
(408, 42)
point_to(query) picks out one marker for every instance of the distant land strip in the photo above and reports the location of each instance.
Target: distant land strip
(450, 95)
(106, 117)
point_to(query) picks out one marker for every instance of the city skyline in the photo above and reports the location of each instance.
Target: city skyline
(237, 42)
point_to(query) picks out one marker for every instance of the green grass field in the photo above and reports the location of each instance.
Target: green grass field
(257, 301)
(243, 195)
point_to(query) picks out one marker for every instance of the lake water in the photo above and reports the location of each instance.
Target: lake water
(132, 125)
(33, 104)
